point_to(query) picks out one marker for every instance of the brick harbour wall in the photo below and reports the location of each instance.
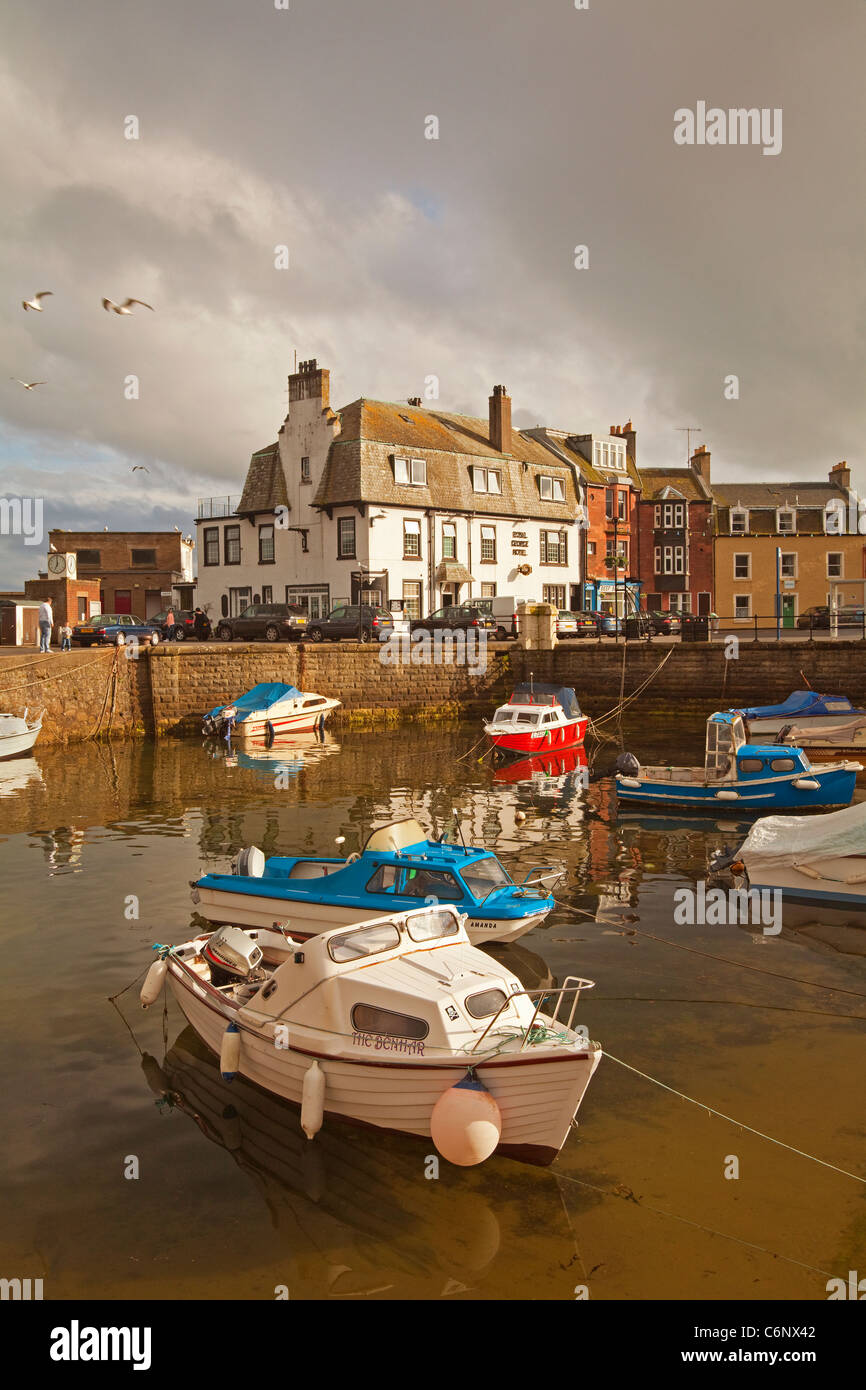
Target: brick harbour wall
(167, 689)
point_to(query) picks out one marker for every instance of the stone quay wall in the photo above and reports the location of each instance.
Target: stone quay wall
(165, 690)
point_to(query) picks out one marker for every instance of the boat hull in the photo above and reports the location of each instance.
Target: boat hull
(835, 788)
(256, 724)
(568, 735)
(14, 745)
(537, 1098)
(828, 889)
(307, 917)
(836, 733)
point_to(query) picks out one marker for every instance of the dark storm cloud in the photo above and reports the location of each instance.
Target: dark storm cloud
(412, 257)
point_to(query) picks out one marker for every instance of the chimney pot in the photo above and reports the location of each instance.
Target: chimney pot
(500, 420)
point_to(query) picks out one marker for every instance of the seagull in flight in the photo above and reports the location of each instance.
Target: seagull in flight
(28, 385)
(141, 466)
(125, 307)
(34, 302)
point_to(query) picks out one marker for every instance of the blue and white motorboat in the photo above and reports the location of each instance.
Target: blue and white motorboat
(398, 869)
(808, 719)
(268, 710)
(749, 776)
(810, 859)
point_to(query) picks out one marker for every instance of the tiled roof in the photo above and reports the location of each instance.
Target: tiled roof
(359, 466)
(265, 486)
(773, 495)
(685, 481)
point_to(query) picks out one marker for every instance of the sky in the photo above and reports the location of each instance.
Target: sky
(410, 257)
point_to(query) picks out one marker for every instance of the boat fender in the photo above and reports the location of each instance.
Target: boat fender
(154, 981)
(856, 878)
(628, 765)
(313, 1100)
(466, 1122)
(727, 796)
(806, 784)
(807, 870)
(270, 733)
(230, 1052)
(628, 781)
(250, 863)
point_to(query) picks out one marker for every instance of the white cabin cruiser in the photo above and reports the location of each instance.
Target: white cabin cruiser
(269, 710)
(396, 1023)
(18, 733)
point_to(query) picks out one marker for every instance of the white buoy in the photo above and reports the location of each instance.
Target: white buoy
(153, 983)
(466, 1123)
(230, 1052)
(313, 1101)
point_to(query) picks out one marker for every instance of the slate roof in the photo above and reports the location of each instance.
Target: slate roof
(359, 468)
(685, 481)
(265, 486)
(763, 500)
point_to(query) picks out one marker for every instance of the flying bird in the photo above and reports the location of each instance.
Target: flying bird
(142, 467)
(125, 308)
(34, 302)
(28, 385)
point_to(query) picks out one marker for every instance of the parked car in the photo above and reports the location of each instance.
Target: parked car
(665, 623)
(456, 617)
(273, 621)
(570, 624)
(820, 615)
(113, 629)
(606, 624)
(184, 622)
(363, 622)
(586, 622)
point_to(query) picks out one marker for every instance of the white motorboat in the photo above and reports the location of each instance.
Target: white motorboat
(817, 859)
(810, 720)
(396, 1023)
(268, 710)
(18, 733)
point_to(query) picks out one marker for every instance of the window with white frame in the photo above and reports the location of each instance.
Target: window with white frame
(739, 518)
(305, 469)
(742, 605)
(674, 515)
(488, 591)
(411, 539)
(617, 547)
(590, 547)
(550, 489)
(742, 566)
(788, 565)
(681, 603)
(412, 598)
(608, 454)
(267, 593)
(346, 538)
(488, 544)
(449, 540)
(673, 559)
(486, 480)
(553, 547)
(657, 560)
(553, 593)
(410, 472)
(834, 564)
(622, 505)
(786, 521)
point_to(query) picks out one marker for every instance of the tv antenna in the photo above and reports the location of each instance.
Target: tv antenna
(688, 431)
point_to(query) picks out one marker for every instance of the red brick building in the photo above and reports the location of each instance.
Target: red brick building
(139, 572)
(611, 573)
(675, 542)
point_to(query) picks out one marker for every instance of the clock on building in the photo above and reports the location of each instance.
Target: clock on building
(60, 564)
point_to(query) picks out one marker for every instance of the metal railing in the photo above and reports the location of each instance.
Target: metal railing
(209, 507)
(573, 984)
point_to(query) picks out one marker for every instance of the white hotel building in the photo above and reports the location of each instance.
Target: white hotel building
(392, 504)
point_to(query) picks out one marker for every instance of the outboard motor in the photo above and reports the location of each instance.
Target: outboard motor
(249, 863)
(231, 955)
(627, 765)
(782, 735)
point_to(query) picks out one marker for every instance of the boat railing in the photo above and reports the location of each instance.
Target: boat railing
(546, 876)
(573, 985)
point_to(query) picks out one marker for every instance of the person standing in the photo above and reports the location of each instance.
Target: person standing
(201, 627)
(169, 625)
(46, 623)
(66, 637)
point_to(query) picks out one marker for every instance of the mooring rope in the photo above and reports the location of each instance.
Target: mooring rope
(740, 1124)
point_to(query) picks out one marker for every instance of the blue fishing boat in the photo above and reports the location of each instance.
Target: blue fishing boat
(398, 869)
(749, 776)
(808, 719)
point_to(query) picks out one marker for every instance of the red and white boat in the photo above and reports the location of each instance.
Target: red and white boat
(537, 719)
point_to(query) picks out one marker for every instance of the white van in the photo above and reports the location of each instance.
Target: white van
(503, 611)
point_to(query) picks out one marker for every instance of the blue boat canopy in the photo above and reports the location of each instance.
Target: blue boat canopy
(534, 693)
(261, 697)
(803, 704)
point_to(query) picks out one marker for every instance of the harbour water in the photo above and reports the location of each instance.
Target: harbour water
(97, 846)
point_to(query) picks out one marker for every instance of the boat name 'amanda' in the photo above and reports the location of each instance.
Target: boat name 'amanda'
(382, 1043)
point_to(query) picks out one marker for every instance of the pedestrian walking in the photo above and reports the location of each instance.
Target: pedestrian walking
(201, 626)
(168, 626)
(46, 623)
(66, 637)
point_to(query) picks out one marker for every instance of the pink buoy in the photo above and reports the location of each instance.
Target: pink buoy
(466, 1123)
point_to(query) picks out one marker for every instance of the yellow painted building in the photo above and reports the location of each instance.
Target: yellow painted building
(818, 566)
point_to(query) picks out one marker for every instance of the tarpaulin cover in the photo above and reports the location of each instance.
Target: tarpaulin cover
(803, 703)
(536, 694)
(260, 698)
(806, 839)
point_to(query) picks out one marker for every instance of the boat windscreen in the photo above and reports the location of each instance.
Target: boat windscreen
(366, 941)
(429, 926)
(483, 875)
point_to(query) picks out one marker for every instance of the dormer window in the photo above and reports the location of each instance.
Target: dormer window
(739, 521)
(410, 472)
(551, 489)
(486, 480)
(786, 521)
(608, 454)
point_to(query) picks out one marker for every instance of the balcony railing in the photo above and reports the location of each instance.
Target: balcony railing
(209, 507)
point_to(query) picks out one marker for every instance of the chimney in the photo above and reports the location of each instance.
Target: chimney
(310, 383)
(500, 420)
(700, 462)
(629, 433)
(840, 474)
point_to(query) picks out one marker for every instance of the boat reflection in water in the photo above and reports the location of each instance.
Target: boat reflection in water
(18, 773)
(560, 776)
(284, 757)
(353, 1206)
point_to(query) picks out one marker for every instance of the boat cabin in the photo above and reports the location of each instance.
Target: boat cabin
(729, 758)
(538, 707)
